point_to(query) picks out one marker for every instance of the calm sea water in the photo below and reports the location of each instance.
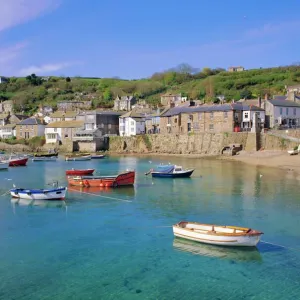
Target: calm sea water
(116, 244)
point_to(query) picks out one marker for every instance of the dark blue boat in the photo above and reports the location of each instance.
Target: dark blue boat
(171, 171)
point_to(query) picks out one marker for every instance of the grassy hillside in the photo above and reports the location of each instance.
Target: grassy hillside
(29, 92)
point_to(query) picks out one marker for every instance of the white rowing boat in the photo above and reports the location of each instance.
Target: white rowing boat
(3, 165)
(217, 234)
(39, 194)
(44, 158)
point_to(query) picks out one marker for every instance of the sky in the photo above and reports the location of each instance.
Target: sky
(133, 39)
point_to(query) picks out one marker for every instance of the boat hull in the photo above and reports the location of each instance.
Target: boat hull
(4, 165)
(78, 158)
(44, 158)
(123, 179)
(98, 156)
(173, 175)
(54, 194)
(18, 162)
(46, 155)
(79, 172)
(226, 239)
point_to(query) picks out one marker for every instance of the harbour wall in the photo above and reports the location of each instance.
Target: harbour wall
(202, 143)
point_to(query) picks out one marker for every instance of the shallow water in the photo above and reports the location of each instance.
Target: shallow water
(117, 244)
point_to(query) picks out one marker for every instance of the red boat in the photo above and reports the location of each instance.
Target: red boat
(123, 179)
(79, 172)
(16, 162)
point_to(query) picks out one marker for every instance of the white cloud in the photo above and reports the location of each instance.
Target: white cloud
(46, 69)
(15, 12)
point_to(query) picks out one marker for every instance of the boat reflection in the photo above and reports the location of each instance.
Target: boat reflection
(122, 190)
(235, 254)
(42, 203)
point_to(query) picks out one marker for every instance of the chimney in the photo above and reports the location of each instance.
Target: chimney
(172, 104)
(259, 101)
(192, 103)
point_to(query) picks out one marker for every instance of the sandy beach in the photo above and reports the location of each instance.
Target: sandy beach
(278, 159)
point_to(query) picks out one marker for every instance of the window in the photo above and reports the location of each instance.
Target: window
(281, 110)
(295, 111)
(199, 115)
(55, 129)
(246, 115)
(211, 126)
(66, 135)
(132, 123)
(287, 111)
(132, 129)
(175, 120)
(225, 114)
(211, 115)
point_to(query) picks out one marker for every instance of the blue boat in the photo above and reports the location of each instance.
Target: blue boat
(171, 171)
(98, 156)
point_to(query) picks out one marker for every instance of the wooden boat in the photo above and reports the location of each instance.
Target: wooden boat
(39, 194)
(54, 154)
(170, 171)
(123, 179)
(217, 234)
(17, 161)
(4, 165)
(81, 172)
(98, 156)
(78, 157)
(44, 158)
(42, 203)
(232, 253)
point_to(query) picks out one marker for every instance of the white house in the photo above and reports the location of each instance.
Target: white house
(282, 113)
(248, 114)
(7, 131)
(132, 124)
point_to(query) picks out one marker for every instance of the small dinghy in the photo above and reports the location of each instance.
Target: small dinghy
(3, 165)
(98, 156)
(44, 158)
(217, 234)
(81, 172)
(39, 194)
(78, 157)
(170, 171)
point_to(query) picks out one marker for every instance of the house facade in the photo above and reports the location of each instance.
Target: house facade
(4, 79)
(236, 69)
(6, 106)
(132, 124)
(60, 132)
(124, 103)
(30, 128)
(59, 116)
(169, 100)
(282, 113)
(8, 131)
(248, 117)
(75, 105)
(207, 118)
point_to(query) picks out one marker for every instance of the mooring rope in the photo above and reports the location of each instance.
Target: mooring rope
(113, 198)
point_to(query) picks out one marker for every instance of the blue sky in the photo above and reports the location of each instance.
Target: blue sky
(134, 38)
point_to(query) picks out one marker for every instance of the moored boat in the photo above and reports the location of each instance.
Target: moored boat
(98, 156)
(17, 161)
(78, 157)
(78, 172)
(122, 179)
(50, 154)
(3, 165)
(44, 158)
(170, 171)
(39, 194)
(217, 234)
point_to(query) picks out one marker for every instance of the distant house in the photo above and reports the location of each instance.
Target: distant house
(282, 113)
(132, 124)
(62, 131)
(45, 110)
(124, 103)
(30, 128)
(172, 100)
(75, 105)
(63, 116)
(8, 124)
(152, 122)
(7, 131)
(4, 117)
(4, 79)
(6, 106)
(236, 69)
(293, 93)
(106, 121)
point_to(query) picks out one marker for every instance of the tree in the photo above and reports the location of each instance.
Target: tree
(68, 79)
(107, 95)
(246, 94)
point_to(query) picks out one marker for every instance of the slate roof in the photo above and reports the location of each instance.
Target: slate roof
(284, 103)
(279, 97)
(31, 121)
(66, 124)
(210, 108)
(109, 113)
(132, 114)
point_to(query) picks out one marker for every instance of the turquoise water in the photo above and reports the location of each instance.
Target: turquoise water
(116, 244)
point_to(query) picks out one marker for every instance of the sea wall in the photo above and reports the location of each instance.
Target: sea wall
(205, 143)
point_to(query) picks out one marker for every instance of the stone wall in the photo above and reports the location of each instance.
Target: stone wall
(202, 143)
